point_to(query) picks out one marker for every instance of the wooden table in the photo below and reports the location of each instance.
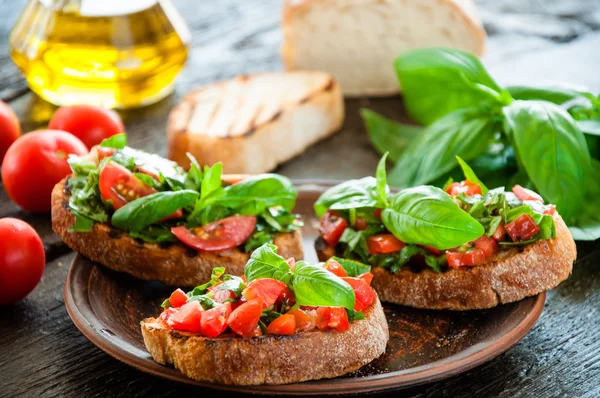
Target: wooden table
(43, 355)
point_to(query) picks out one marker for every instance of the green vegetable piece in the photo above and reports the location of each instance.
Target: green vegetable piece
(352, 268)
(82, 224)
(348, 195)
(118, 141)
(253, 195)
(382, 189)
(266, 263)
(470, 175)
(315, 286)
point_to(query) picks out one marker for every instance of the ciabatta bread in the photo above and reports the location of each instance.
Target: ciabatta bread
(357, 40)
(253, 123)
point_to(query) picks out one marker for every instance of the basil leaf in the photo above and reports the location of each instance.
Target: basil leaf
(266, 263)
(85, 197)
(427, 215)
(253, 195)
(193, 180)
(140, 213)
(82, 224)
(515, 212)
(552, 151)
(315, 286)
(211, 182)
(381, 180)
(348, 195)
(557, 94)
(352, 268)
(118, 141)
(587, 225)
(154, 234)
(206, 302)
(257, 239)
(232, 283)
(470, 175)
(146, 179)
(438, 81)
(591, 126)
(354, 315)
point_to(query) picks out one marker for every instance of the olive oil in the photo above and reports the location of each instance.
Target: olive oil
(70, 55)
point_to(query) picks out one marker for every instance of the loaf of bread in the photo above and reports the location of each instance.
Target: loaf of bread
(357, 40)
(253, 123)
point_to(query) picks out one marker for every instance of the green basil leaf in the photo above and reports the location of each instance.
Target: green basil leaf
(154, 234)
(470, 175)
(118, 141)
(382, 188)
(253, 195)
(557, 94)
(427, 215)
(354, 315)
(315, 286)
(348, 195)
(85, 197)
(352, 268)
(146, 179)
(515, 212)
(140, 213)
(257, 239)
(232, 283)
(193, 180)
(266, 263)
(211, 182)
(82, 224)
(206, 302)
(587, 225)
(590, 126)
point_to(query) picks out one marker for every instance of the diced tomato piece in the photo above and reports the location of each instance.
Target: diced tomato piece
(335, 268)
(467, 187)
(360, 224)
(384, 243)
(219, 235)
(267, 289)
(550, 210)
(499, 233)
(367, 277)
(430, 249)
(214, 321)
(465, 259)
(487, 245)
(305, 319)
(178, 298)
(365, 296)
(332, 318)
(221, 296)
(244, 319)
(283, 325)
(523, 228)
(166, 314)
(332, 227)
(526, 194)
(103, 152)
(187, 318)
(377, 213)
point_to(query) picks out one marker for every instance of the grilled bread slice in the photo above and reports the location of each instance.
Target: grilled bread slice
(357, 40)
(173, 263)
(269, 359)
(511, 275)
(253, 123)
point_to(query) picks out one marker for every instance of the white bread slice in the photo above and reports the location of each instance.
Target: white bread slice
(357, 40)
(253, 123)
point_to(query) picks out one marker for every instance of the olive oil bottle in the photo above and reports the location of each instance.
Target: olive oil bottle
(111, 53)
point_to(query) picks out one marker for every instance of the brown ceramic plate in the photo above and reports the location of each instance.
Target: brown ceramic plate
(424, 345)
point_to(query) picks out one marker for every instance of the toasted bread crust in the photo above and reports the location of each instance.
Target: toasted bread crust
(269, 359)
(174, 264)
(511, 276)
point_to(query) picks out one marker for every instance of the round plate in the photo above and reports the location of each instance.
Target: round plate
(424, 345)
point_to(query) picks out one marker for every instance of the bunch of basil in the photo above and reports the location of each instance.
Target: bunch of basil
(544, 138)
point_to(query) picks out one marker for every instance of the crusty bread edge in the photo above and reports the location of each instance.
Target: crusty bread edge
(270, 359)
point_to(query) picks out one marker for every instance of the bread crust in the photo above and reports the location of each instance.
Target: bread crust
(269, 359)
(174, 263)
(511, 275)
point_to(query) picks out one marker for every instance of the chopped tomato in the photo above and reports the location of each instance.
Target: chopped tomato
(268, 290)
(526, 194)
(430, 249)
(550, 210)
(305, 319)
(499, 233)
(214, 321)
(384, 243)
(187, 318)
(221, 295)
(360, 224)
(219, 235)
(467, 187)
(283, 325)
(487, 245)
(286, 298)
(332, 318)
(332, 227)
(178, 298)
(166, 314)
(367, 277)
(523, 228)
(465, 259)
(119, 185)
(365, 296)
(335, 268)
(103, 152)
(377, 213)
(244, 319)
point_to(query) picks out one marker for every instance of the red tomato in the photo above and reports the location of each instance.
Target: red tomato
(119, 185)
(384, 243)
(187, 318)
(22, 260)
(467, 187)
(305, 319)
(178, 298)
(550, 210)
(430, 249)
(286, 298)
(214, 321)
(377, 213)
(283, 325)
(523, 228)
(244, 319)
(367, 277)
(332, 227)
(499, 233)
(219, 235)
(365, 296)
(332, 318)
(91, 124)
(335, 268)
(166, 314)
(360, 224)
(221, 296)
(10, 128)
(465, 259)
(266, 289)
(526, 194)
(35, 163)
(487, 245)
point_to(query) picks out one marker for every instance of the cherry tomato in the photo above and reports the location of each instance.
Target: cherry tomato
(523, 228)
(305, 319)
(22, 260)
(367, 277)
(332, 318)
(430, 249)
(335, 268)
(467, 187)
(214, 321)
(384, 243)
(526, 194)
(10, 128)
(360, 224)
(499, 233)
(35, 163)
(244, 319)
(487, 245)
(187, 318)
(332, 227)
(91, 124)
(178, 298)
(365, 296)
(283, 325)
(224, 234)
(119, 185)
(465, 259)
(266, 289)
(550, 210)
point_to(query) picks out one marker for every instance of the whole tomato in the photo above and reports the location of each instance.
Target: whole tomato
(35, 163)
(22, 260)
(10, 128)
(91, 124)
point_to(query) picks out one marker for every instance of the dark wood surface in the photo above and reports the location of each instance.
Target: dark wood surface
(43, 355)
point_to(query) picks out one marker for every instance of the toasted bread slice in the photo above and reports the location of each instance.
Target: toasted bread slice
(511, 275)
(173, 263)
(253, 123)
(269, 359)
